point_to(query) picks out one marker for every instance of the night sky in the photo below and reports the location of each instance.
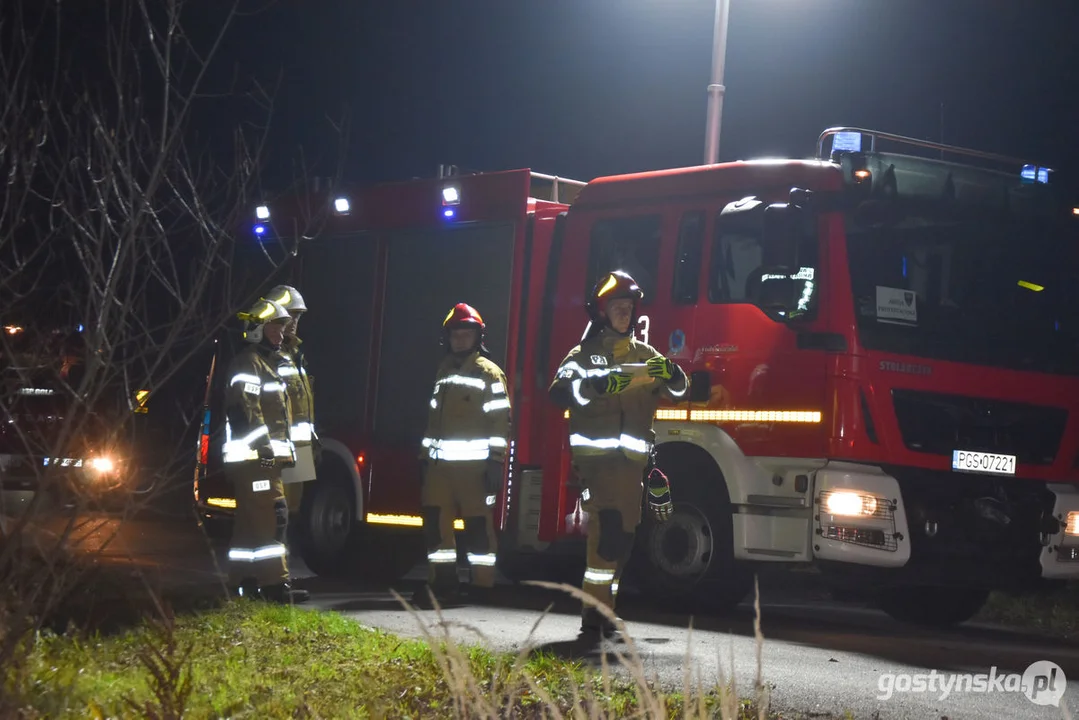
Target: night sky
(583, 88)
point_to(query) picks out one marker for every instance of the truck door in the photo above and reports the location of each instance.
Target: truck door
(672, 335)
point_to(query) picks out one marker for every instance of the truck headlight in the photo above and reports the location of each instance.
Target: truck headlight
(102, 465)
(1072, 526)
(848, 503)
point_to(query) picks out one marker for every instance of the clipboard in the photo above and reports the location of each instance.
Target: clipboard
(639, 372)
(304, 470)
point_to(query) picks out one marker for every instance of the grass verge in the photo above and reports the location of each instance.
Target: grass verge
(1056, 613)
(256, 660)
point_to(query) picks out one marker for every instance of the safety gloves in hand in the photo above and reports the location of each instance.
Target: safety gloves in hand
(659, 495)
(266, 456)
(316, 451)
(660, 367)
(611, 383)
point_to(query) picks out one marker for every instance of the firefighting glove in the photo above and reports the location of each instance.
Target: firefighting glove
(659, 495)
(266, 457)
(660, 367)
(611, 383)
(316, 450)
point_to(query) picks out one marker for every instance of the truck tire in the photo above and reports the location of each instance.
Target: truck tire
(687, 563)
(325, 526)
(335, 544)
(933, 606)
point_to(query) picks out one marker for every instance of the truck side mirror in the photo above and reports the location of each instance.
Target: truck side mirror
(779, 236)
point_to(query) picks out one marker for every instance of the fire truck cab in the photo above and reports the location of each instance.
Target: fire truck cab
(884, 360)
(883, 351)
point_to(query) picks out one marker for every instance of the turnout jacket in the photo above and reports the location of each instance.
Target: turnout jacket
(606, 423)
(301, 397)
(469, 418)
(257, 411)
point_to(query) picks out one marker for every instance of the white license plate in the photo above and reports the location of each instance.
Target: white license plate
(981, 462)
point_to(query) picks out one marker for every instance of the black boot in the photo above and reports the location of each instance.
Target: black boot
(285, 594)
(247, 589)
(445, 587)
(595, 624)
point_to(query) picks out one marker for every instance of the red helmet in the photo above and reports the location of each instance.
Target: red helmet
(463, 316)
(611, 286)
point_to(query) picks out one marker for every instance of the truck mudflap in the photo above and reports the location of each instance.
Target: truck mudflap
(941, 528)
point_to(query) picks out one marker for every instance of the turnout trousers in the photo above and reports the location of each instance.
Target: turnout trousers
(614, 487)
(456, 490)
(257, 549)
(295, 478)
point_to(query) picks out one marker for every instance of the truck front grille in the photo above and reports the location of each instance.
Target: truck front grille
(938, 424)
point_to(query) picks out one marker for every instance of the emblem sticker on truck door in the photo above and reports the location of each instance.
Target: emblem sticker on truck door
(677, 341)
(896, 305)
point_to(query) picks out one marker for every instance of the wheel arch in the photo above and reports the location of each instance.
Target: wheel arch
(698, 440)
(343, 456)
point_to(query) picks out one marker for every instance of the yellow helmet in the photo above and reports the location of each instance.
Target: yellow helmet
(262, 312)
(289, 297)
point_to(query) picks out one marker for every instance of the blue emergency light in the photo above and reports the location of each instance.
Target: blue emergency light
(847, 142)
(260, 230)
(1035, 174)
(450, 197)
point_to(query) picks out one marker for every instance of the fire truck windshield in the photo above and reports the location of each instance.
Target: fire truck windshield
(993, 292)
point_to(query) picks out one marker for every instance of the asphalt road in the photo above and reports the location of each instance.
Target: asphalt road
(818, 657)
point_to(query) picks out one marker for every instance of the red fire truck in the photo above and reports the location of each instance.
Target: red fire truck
(883, 350)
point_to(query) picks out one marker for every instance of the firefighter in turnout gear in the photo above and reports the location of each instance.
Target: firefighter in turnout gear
(257, 448)
(293, 369)
(611, 384)
(464, 456)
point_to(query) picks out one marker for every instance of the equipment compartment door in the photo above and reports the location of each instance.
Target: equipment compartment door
(427, 273)
(338, 285)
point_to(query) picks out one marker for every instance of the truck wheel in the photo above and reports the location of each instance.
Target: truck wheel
(334, 544)
(933, 606)
(326, 531)
(687, 563)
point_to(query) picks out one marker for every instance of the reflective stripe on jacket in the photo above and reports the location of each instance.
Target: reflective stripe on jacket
(257, 410)
(601, 423)
(469, 415)
(301, 397)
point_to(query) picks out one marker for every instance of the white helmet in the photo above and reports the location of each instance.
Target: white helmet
(262, 312)
(289, 297)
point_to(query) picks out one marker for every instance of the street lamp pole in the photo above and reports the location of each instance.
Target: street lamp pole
(716, 88)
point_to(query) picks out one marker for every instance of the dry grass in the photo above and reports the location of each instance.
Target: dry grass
(591, 699)
(252, 660)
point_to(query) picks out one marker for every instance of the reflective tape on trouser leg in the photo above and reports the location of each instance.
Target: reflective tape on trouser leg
(613, 540)
(598, 576)
(481, 555)
(432, 535)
